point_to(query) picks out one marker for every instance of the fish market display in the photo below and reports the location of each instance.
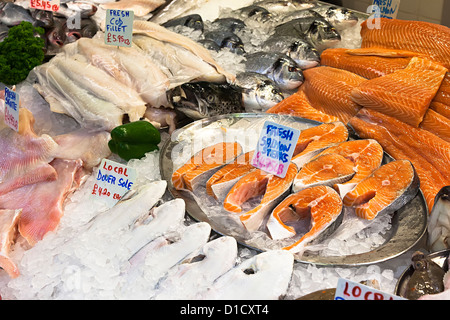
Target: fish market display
(444, 295)
(257, 183)
(437, 124)
(439, 223)
(139, 7)
(387, 189)
(404, 94)
(321, 204)
(202, 163)
(8, 227)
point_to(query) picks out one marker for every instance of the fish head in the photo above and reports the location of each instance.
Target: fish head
(304, 54)
(234, 44)
(43, 18)
(257, 13)
(259, 93)
(229, 24)
(419, 261)
(189, 99)
(56, 36)
(341, 17)
(323, 34)
(287, 74)
(195, 22)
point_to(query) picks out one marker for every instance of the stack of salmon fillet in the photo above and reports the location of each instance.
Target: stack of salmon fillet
(394, 89)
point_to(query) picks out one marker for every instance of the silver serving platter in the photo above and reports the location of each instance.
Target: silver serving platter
(440, 258)
(408, 225)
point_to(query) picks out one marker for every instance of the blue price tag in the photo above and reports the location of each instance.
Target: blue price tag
(275, 148)
(119, 27)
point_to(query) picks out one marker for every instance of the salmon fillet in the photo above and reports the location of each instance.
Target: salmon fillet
(437, 124)
(441, 108)
(328, 89)
(405, 94)
(417, 36)
(298, 105)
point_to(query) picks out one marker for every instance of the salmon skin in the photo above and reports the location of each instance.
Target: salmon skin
(366, 155)
(254, 184)
(321, 204)
(223, 180)
(405, 94)
(429, 154)
(314, 140)
(385, 191)
(416, 36)
(203, 163)
(328, 170)
(298, 105)
(328, 89)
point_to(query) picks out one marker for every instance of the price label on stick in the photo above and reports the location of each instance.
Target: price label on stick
(275, 148)
(119, 27)
(349, 290)
(48, 5)
(12, 109)
(113, 181)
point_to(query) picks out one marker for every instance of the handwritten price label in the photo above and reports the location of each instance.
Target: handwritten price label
(388, 8)
(275, 148)
(113, 181)
(48, 5)
(119, 27)
(349, 290)
(12, 109)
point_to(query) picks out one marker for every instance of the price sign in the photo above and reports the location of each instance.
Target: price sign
(119, 27)
(12, 109)
(113, 181)
(387, 8)
(275, 148)
(48, 5)
(349, 290)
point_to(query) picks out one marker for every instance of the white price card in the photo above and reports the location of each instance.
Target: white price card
(48, 5)
(113, 181)
(387, 8)
(12, 109)
(349, 290)
(275, 148)
(119, 27)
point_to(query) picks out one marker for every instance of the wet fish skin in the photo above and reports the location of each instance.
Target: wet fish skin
(12, 14)
(438, 224)
(338, 17)
(4, 29)
(43, 18)
(255, 12)
(283, 6)
(228, 24)
(193, 21)
(278, 67)
(259, 93)
(226, 39)
(88, 28)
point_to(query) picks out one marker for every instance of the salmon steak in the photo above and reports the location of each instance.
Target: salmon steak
(298, 105)
(314, 140)
(327, 169)
(256, 184)
(223, 180)
(321, 206)
(328, 89)
(388, 189)
(404, 94)
(204, 163)
(366, 155)
(416, 36)
(429, 154)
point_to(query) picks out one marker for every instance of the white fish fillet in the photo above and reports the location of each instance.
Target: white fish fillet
(265, 276)
(139, 7)
(187, 279)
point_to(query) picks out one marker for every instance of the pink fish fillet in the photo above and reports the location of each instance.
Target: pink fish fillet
(42, 203)
(8, 231)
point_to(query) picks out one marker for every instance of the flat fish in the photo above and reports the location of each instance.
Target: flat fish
(314, 140)
(366, 155)
(328, 170)
(387, 189)
(428, 153)
(405, 94)
(320, 205)
(139, 7)
(258, 183)
(437, 124)
(298, 105)
(223, 180)
(416, 36)
(439, 222)
(328, 89)
(9, 220)
(265, 276)
(198, 270)
(203, 163)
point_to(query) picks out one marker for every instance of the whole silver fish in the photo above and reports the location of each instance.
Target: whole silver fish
(254, 12)
(193, 21)
(226, 39)
(340, 18)
(3, 32)
(439, 222)
(283, 6)
(278, 67)
(12, 14)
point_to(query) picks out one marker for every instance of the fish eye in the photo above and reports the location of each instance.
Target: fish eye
(292, 69)
(274, 91)
(210, 98)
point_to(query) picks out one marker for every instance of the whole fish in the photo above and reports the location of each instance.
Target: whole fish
(259, 93)
(340, 18)
(12, 14)
(439, 222)
(283, 6)
(4, 29)
(55, 36)
(278, 67)
(301, 51)
(88, 28)
(193, 21)
(255, 12)
(83, 9)
(226, 39)
(199, 100)
(43, 18)
(228, 24)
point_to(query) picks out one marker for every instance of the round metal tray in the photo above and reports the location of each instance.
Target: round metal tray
(408, 224)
